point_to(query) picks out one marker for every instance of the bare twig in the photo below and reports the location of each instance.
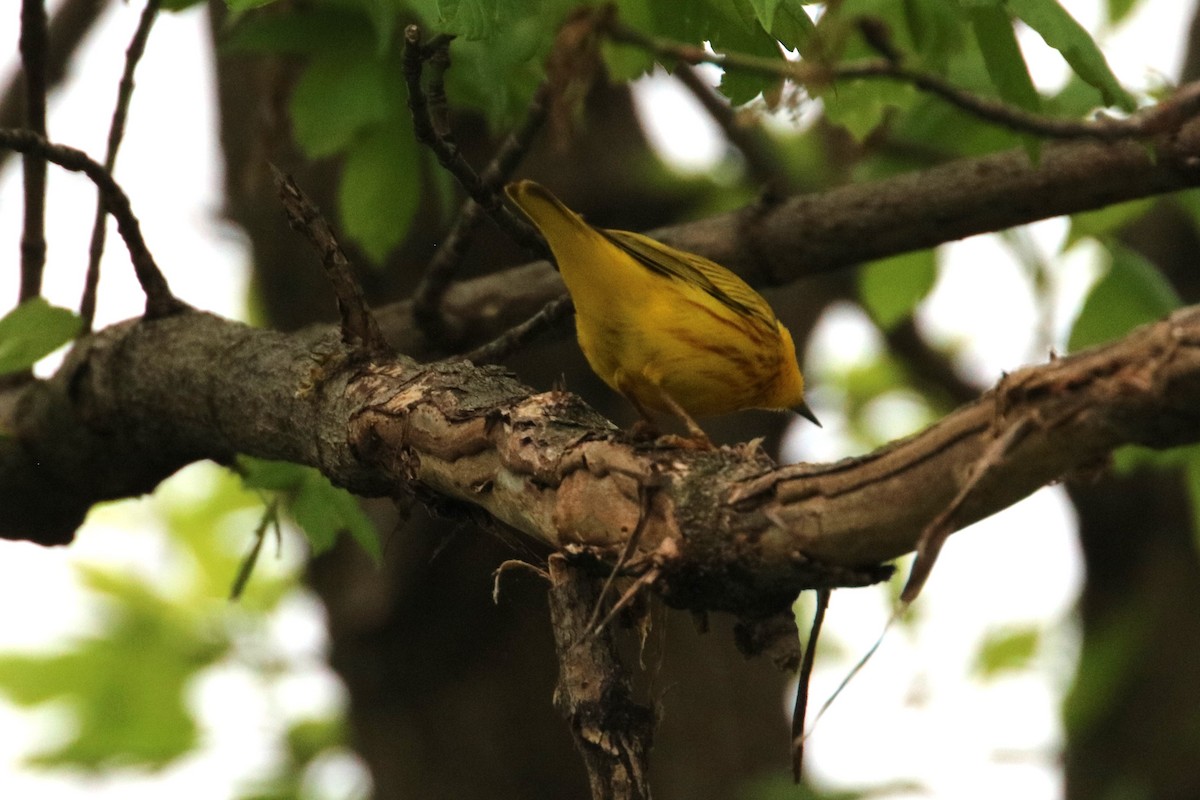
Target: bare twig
(68, 26)
(447, 152)
(359, 328)
(800, 709)
(1170, 113)
(427, 298)
(269, 520)
(509, 341)
(116, 131)
(33, 64)
(939, 529)
(159, 300)
(762, 162)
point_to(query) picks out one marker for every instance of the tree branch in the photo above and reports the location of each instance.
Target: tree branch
(810, 234)
(726, 530)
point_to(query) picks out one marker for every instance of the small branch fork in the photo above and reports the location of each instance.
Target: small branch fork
(1184, 104)
(446, 150)
(432, 127)
(160, 302)
(116, 132)
(358, 325)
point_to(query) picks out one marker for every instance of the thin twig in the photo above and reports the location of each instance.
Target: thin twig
(359, 328)
(648, 578)
(270, 519)
(447, 152)
(439, 105)
(68, 26)
(644, 497)
(159, 300)
(939, 529)
(762, 162)
(427, 298)
(116, 132)
(33, 45)
(800, 709)
(506, 343)
(1184, 104)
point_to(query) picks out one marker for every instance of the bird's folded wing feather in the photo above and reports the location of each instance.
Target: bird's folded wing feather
(716, 281)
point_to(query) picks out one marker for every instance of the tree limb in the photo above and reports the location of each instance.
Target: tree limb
(726, 529)
(810, 234)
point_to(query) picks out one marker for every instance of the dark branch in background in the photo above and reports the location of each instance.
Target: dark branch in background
(68, 26)
(427, 299)
(448, 155)
(762, 162)
(159, 300)
(359, 328)
(116, 132)
(1184, 104)
(33, 64)
(800, 707)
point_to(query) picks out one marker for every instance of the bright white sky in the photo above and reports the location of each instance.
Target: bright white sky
(914, 713)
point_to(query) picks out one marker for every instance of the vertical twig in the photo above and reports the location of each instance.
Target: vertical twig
(448, 154)
(33, 64)
(68, 26)
(594, 692)
(159, 300)
(427, 298)
(359, 327)
(116, 132)
(800, 710)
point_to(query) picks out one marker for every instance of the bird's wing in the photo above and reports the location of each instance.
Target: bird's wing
(711, 278)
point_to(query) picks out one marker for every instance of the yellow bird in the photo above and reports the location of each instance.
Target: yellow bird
(671, 331)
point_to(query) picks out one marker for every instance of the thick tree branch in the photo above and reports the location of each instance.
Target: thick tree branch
(817, 233)
(726, 529)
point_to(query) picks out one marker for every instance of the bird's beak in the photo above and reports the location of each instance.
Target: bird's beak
(806, 412)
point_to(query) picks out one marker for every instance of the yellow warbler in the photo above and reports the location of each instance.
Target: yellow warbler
(670, 330)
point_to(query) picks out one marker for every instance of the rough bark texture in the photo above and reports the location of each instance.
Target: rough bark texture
(726, 529)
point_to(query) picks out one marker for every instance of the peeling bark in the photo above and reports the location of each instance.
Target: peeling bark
(727, 529)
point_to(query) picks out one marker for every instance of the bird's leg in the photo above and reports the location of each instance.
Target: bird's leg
(696, 435)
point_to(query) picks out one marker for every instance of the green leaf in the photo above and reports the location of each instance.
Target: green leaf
(316, 30)
(1060, 31)
(325, 512)
(180, 5)
(1006, 651)
(32, 331)
(1104, 222)
(339, 95)
(1132, 293)
(381, 187)
(786, 20)
(236, 6)
(1119, 9)
(891, 288)
(1005, 64)
(126, 688)
(322, 510)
